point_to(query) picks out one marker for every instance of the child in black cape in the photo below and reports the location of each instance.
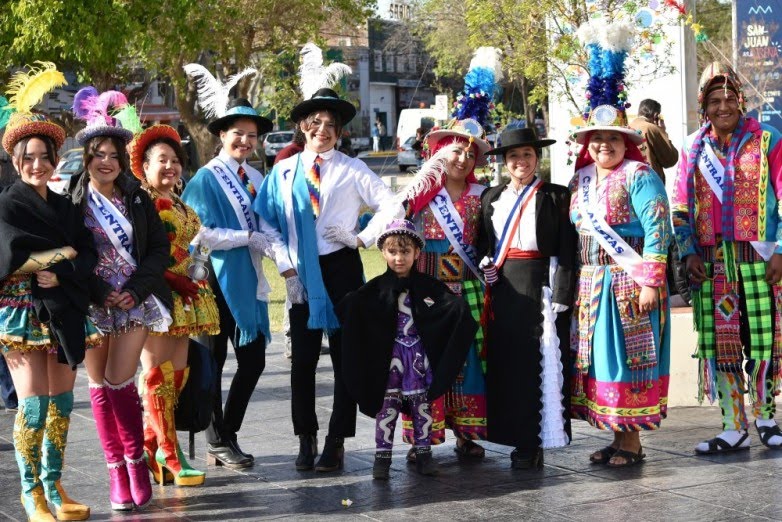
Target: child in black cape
(405, 337)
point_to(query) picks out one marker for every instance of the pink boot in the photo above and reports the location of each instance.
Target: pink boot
(128, 416)
(119, 487)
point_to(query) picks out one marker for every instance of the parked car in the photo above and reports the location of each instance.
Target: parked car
(406, 156)
(274, 142)
(70, 163)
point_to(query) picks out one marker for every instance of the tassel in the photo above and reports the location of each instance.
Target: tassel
(729, 257)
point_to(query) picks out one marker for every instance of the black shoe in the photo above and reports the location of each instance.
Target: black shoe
(237, 448)
(227, 455)
(333, 456)
(424, 464)
(308, 450)
(526, 459)
(380, 470)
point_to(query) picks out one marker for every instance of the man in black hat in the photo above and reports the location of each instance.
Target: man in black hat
(221, 193)
(310, 206)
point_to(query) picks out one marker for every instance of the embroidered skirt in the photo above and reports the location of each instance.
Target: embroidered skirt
(621, 356)
(20, 328)
(199, 317)
(151, 313)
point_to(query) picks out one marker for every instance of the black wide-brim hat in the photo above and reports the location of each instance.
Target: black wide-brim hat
(325, 100)
(514, 138)
(238, 109)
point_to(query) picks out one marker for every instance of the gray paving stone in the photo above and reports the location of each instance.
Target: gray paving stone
(673, 484)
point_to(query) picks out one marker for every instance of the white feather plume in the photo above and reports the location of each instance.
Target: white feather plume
(488, 57)
(618, 36)
(429, 176)
(313, 75)
(213, 95)
(589, 32)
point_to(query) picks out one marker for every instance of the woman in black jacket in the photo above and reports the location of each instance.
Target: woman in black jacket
(129, 296)
(46, 256)
(529, 245)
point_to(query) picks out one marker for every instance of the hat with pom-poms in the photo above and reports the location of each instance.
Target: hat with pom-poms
(608, 46)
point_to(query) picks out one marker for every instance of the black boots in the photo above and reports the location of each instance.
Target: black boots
(227, 454)
(423, 461)
(333, 456)
(526, 459)
(380, 470)
(308, 450)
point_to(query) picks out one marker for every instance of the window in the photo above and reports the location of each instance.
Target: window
(378, 61)
(401, 64)
(412, 63)
(389, 62)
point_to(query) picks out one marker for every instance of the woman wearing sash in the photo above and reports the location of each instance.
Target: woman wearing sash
(444, 201)
(222, 193)
(530, 244)
(156, 159)
(620, 209)
(129, 296)
(46, 257)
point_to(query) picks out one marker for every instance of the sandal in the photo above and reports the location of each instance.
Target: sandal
(605, 455)
(766, 432)
(631, 459)
(718, 445)
(470, 449)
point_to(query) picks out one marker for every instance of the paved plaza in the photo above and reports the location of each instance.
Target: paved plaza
(671, 485)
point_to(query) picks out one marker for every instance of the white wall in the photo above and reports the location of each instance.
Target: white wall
(382, 96)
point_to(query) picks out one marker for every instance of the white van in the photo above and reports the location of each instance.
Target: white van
(410, 120)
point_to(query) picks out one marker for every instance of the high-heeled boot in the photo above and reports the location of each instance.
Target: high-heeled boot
(308, 450)
(28, 438)
(424, 464)
(333, 456)
(58, 420)
(128, 417)
(160, 475)
(160, 398)
(106, 426)
(382, 466)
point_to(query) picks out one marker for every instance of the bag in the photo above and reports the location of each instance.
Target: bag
(194, 409)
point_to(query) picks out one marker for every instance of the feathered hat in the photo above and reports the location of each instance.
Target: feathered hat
(718, 76)
(142, 137)
(316, 83)
(213, 97)
(473, 105)
(25, 91)
(608, 46)
(96, 109)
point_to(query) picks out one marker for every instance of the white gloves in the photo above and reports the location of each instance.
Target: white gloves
(220, 238)
(260, 244)
(558, 308)
(489, 270)
(337, 234)
(297, 294)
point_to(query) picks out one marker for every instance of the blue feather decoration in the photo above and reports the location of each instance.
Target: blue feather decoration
(480, 84)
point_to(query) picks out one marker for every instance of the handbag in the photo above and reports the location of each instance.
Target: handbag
(194, 408)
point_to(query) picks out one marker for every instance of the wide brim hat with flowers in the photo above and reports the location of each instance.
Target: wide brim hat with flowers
(608, 45)
(140, 143)
(25, 91)
(404, 227)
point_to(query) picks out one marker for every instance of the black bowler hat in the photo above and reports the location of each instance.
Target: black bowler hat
(325, 99)
(237, 109)
(514, 138)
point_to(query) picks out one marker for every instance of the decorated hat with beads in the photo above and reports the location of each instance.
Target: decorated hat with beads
(718, 76)
(608, 45)
(404, 227)
(25, 91)
(98, 109)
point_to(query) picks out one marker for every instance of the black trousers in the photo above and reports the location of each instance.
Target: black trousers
(342, 273)
(250, 359)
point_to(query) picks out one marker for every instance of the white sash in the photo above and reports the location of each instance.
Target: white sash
(117, 227)
(714, 173)
(624, 255)
(451, 222)
(236, 194)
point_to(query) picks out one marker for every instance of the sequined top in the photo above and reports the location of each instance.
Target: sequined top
(181, 224)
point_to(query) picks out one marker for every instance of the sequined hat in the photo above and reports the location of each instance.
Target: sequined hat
(401, 226)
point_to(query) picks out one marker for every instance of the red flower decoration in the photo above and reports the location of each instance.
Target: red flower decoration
(162, 204)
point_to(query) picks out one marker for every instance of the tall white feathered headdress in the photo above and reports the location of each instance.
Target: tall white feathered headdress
(313, 75)
(213, 94)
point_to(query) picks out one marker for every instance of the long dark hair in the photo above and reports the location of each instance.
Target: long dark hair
(93, 144)
(21, 147)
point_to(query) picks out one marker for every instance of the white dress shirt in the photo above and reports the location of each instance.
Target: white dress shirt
(346, 186)
(526, 237)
